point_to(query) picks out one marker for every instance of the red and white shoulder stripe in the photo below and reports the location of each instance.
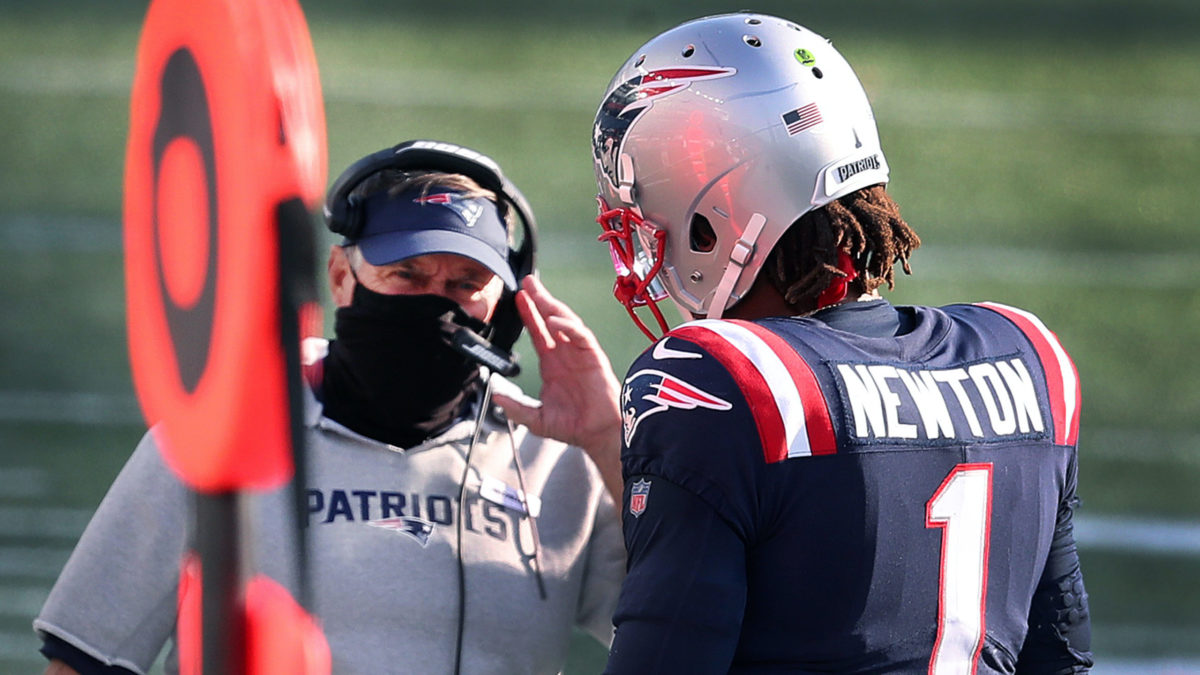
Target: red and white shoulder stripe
(1062, 379)
(779, 386)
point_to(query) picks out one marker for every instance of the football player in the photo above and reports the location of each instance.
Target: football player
(817, 480)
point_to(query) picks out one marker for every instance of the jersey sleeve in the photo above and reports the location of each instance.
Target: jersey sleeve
(691, 457)
(687, 418)
(682, 601)
(1060, 633)
(115, 600)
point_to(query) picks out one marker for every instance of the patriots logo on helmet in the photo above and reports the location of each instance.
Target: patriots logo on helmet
(651, 391)
(417, 528)
(632, 97)
(467, 208)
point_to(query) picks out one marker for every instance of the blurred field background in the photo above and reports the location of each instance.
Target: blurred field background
(1047, 152)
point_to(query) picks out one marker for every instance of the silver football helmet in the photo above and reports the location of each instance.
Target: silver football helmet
(712, 139)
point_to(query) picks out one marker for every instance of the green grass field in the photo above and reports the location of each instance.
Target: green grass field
(1048, 154)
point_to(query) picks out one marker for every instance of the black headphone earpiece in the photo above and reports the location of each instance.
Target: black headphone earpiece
(344, 214)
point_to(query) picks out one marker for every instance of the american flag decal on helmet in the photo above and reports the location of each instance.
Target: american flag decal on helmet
(804, 117)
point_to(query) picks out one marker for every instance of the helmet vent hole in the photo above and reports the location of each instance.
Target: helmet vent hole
(753, 21)
(640, 60)
(752, 40)
(689, 50)
(701, 235)
(817, 73)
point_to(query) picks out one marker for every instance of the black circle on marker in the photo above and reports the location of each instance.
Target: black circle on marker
(185, 114)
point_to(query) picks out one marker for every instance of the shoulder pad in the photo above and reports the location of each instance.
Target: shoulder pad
(1062, 379)
(779, 386)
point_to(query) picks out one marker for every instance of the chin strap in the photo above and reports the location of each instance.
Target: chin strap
(836, 292)
(742, 251)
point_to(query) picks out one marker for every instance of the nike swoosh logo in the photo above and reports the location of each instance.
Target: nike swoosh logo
(662, 351)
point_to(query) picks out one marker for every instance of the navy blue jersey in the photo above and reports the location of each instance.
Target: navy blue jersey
(800, 498)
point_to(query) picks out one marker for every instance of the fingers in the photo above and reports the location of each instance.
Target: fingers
(572, 332)
(520, 411)
(561, 322)
(534, 323)
(546, 304)
(548, 319)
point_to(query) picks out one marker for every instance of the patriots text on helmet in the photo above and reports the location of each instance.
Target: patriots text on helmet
(845, 171)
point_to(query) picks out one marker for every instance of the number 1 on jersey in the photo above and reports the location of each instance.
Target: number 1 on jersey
(962, 508)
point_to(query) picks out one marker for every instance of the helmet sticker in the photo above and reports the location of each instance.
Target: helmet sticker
(839, 173)
(805, 57)
(804, 117)
(629, 100)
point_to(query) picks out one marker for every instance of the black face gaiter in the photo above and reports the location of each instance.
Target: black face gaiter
(390, 374)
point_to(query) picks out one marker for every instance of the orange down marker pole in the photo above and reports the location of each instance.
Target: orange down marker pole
(225, 162)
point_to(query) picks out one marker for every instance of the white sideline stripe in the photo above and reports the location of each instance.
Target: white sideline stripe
(924, 108)
(1141, 535)
(1147, 667)
(1159, 637)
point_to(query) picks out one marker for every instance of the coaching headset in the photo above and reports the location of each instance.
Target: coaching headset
(344, 215)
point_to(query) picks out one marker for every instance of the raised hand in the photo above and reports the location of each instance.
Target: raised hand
(579, 397)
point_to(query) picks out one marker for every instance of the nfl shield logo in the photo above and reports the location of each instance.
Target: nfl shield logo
(638, 494)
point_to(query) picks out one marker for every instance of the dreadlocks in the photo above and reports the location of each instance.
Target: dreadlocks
(866, 223)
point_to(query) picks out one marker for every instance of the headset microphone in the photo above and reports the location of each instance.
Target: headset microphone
(474, 346)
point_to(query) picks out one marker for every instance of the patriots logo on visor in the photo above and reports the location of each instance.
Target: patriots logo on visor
(417, 528)
(623, 106)
(467, 208)
(650, 391)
